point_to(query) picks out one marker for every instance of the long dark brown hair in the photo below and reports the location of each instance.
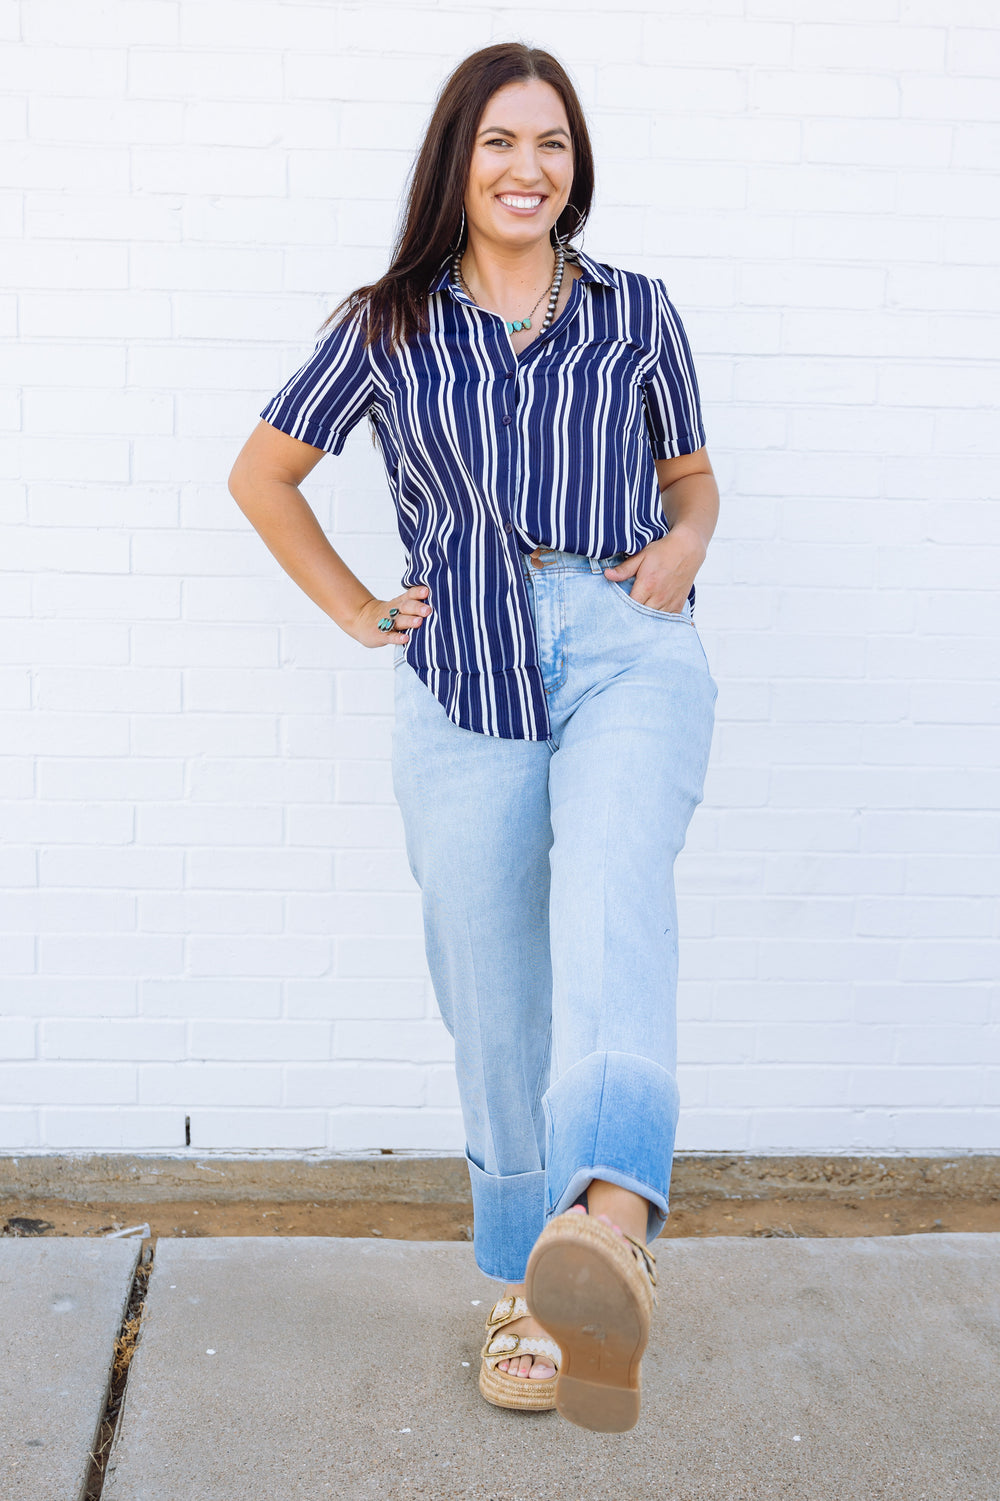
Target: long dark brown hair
(396, 305)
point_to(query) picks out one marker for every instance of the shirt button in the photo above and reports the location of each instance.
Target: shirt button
(507, 421)
(508, 527)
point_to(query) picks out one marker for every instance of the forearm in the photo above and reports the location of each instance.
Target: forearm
(282, 517)
(691, 506)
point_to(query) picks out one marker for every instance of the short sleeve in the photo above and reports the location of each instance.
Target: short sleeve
(673, 403)
(330, 393)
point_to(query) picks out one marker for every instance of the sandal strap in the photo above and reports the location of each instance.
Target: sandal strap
(500, 1346)
(505, 1310)
(647, 1259)
(504, 1346)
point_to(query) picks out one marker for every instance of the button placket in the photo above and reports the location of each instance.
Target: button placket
(506, 421)
(522, 360)
(515, 466)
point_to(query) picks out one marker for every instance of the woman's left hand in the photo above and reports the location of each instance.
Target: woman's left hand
(664, 570)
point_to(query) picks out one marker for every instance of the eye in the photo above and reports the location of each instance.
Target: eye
(497, 141)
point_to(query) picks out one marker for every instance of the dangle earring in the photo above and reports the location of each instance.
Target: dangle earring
(562, 242)
(461, 231)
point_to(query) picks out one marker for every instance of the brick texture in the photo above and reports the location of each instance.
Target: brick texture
(205, 905)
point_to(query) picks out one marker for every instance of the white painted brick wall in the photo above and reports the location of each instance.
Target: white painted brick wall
(198, 825)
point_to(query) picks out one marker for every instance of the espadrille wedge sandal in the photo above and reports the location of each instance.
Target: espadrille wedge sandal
(525, 1393)
(593, 1291)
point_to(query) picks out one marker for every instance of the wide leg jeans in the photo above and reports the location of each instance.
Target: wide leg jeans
(546, 871)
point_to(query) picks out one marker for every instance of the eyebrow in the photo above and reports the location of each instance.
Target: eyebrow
(501, 130)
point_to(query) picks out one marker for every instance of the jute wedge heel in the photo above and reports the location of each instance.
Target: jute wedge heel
(592, 1290)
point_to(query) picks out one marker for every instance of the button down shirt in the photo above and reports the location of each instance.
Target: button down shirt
(489, 453)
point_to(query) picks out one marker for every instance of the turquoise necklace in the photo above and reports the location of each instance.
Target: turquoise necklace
(516, 324)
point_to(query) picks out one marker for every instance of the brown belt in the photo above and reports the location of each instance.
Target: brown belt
(539, 561)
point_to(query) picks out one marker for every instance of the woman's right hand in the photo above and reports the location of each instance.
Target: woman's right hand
(413, 609)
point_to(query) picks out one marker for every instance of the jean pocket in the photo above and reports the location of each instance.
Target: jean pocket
(399, 653)
(623, 589)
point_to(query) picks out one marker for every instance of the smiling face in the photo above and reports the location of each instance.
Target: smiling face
(521, 171)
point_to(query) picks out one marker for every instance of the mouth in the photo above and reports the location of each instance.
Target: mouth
(522, 204)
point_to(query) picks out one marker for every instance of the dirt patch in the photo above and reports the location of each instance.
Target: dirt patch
(813, 1217)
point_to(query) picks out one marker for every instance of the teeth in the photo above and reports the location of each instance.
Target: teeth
(519, 202)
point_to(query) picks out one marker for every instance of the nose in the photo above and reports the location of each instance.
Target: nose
(525, 165)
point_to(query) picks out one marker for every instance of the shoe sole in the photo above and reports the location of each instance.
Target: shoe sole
(587, 1291)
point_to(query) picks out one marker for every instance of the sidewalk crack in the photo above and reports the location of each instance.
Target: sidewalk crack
(124, 1348)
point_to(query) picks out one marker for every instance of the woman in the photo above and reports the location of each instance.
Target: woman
(538, 414)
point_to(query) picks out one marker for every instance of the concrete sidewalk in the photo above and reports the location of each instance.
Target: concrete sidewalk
(821, 1370)
(61, 1306)
(307, 1368)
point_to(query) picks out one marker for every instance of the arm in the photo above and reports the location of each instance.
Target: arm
(690, 498)
(264, 483)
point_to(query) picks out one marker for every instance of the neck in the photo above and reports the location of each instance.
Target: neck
(501, 273)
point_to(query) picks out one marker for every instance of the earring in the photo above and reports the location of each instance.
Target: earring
(563, 242)
(458, 243)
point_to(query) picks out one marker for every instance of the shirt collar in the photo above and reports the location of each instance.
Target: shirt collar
(592, 271)
(442, 278)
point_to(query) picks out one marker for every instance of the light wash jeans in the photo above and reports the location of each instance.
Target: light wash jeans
(550, 924)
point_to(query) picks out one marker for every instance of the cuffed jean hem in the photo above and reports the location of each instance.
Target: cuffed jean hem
(611, 1116)
(508, 1214)
(581, 1180)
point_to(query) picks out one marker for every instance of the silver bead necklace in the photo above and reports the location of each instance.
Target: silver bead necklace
(516, 324)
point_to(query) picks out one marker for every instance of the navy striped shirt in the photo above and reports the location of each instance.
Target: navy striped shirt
(488, 453)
